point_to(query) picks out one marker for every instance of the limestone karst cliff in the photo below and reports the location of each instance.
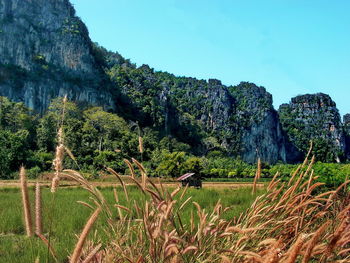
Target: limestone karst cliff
(346, 121)
(206, 114)
(46, 52)
(314, 117)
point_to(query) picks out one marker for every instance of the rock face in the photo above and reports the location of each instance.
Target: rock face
(314, 117)
(261, 132)
(206, 106)
(206, 114)
(346, 122)
(45, 52)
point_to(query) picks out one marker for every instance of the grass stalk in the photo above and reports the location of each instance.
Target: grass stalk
(38, 209)
(25, 203)
(79, 246)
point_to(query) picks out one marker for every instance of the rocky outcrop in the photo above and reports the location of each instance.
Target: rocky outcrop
(205, 107)
(45, 52)
(346, 123)
(261, 132)
(314, 117)
(207, 115)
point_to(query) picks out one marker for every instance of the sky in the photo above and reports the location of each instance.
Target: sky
(291, 47)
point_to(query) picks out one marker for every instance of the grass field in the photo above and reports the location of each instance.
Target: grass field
(67, 217)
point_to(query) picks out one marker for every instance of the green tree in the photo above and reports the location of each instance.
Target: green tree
(193, 165)
(172, 164)
(68, 116)
(103, 130)
(17, 136)
(13, 151)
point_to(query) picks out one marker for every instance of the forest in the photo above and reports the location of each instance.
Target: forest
(97, 139)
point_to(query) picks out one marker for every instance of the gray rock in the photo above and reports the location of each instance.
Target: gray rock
(314, 117)
(51, 51)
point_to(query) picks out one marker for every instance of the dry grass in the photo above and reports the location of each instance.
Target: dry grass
(257, 176)
(140, 144)
(292, 222)
(38, 210)
(25, 203)
(79, 246)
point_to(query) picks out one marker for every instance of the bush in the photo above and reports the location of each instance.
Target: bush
(332, 174)
(172, 164)
(33, 172)
(41, 159)
(193, 165)
(114, 160)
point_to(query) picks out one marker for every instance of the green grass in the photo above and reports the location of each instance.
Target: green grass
(236, 180)
(68, 217)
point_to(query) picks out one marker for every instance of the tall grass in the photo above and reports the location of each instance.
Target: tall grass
(38, 210)
(292, 221)
(26, 204)
(282, 225)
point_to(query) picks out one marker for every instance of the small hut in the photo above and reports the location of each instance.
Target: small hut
(190, 180)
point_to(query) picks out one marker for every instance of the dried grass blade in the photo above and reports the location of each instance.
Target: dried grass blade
(25, 202)
(38, 210)
(121, 182)
(85, 204)
(79, 246)
(131, 168)
(92, 254)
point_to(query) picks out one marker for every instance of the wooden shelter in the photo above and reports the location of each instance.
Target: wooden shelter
(190, 180)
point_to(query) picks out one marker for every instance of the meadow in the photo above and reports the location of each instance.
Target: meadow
(68, 217)
(287, 221)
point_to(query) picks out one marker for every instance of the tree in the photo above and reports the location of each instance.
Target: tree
(102, 129)
(193, 165)
(171, 164)
(13, 151)
(17, 136)
(65, 115)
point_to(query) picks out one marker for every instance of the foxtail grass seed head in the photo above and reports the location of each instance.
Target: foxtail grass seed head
(258, 172)
(58, 161)
(257, 176)
(140, 144)
(54, 184)
(58, 166)
(65, 99)
(79, 246)
(25, 203)
(60, 136)
(295, 249)
(38, 212)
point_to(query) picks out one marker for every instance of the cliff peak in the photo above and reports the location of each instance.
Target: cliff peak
(45, 52)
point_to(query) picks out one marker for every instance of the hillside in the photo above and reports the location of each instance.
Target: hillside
(46, 52)
(314, 117)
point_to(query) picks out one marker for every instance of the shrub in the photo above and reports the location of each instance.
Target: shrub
(33, 172)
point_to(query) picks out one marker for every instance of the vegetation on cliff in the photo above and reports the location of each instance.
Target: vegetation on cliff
(314, 117)
(99, 139)
(171, 113)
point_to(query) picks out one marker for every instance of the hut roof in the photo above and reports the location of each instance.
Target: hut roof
(185, 176)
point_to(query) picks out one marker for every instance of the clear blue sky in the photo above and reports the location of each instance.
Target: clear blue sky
(291, 47)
